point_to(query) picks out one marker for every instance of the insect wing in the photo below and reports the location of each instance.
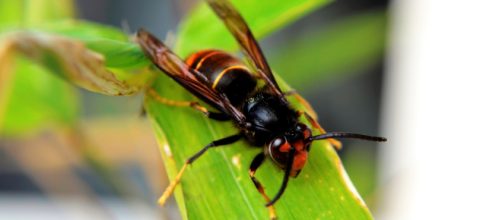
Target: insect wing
(192, 80)
(240, 30)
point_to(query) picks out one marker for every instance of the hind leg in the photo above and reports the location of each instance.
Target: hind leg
(219, 116)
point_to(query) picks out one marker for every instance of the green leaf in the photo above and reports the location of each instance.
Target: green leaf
(95, 57)
(39, 99)
(117, 68)
(217, 185)
(113, 44)
(71, 60)
(29, 97)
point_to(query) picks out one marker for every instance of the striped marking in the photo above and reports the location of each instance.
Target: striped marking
(223, 72)
(192, 58)
(199, 64)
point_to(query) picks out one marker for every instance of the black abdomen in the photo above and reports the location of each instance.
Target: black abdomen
(226, 74)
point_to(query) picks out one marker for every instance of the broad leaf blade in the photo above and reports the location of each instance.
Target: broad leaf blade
(217, 185)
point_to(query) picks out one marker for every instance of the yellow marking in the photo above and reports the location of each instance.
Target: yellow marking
(215, 83)
(204, 58)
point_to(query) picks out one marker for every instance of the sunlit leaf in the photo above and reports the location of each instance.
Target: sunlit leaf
(71, 60)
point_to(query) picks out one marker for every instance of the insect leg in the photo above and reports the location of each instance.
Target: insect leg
(285, 180)
(257, 162)
(336, 143)
(219, 116)
(170, 189)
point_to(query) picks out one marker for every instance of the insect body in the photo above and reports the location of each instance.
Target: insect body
(262, 114)
(226, 73)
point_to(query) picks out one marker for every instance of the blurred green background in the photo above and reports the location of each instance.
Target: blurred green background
(334, 57)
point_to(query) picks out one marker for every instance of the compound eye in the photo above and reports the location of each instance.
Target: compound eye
(278, 150)
(277, 142)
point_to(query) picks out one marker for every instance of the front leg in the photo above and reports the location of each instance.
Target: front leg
(172, 185)
(257, 162)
